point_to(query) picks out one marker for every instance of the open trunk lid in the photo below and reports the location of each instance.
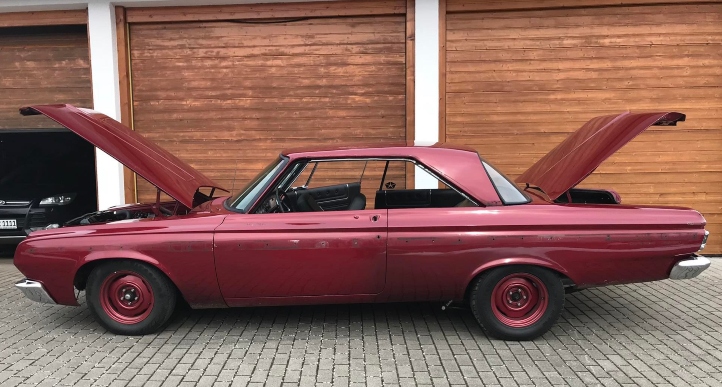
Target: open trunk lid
(583, 151)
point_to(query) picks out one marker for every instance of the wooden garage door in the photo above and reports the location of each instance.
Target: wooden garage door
(227, 96)
(519, 81)
(42, 65)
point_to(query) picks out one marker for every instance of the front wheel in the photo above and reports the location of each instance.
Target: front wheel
(130, 298)
(517, 302)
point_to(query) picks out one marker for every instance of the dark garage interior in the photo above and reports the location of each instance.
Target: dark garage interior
(47, 176)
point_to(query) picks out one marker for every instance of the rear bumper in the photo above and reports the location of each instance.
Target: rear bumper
(689, 268)
(35, 291)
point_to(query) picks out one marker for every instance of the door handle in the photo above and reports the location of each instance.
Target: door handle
(375, 218)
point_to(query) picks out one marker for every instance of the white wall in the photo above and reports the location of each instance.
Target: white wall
(104, 70)
(106, 96)
(426, 79)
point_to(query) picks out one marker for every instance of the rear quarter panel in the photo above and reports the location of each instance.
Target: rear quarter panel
(181, 247)
(436, 253)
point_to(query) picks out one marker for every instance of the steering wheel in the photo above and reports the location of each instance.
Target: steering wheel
(279, 203)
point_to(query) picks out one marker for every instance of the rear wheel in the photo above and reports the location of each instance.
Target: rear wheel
(130, 298)
(517, 302)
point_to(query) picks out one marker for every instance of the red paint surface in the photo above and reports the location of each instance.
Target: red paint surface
(327, 253)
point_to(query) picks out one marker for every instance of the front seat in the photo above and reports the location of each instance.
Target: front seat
(358, 203)
(306, 203)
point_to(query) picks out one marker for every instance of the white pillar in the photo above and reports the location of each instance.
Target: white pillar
(427, 81)
(106, 96)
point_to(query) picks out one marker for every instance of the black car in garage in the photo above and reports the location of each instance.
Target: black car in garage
(46, 179)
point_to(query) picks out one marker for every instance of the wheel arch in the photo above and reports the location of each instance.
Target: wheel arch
(555, 268)
(92, 261)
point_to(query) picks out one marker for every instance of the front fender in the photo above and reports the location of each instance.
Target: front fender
(188, 264)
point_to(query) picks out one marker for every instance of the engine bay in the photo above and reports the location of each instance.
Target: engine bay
(138, 211)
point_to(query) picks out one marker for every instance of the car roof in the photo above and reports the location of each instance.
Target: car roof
(461, 166)
(397, 149)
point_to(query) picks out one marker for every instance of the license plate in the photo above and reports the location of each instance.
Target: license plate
(8, 224)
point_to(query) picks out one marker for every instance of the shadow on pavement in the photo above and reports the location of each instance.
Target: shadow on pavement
(7, 251)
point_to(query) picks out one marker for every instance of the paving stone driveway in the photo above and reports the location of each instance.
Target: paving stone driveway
(663, 333)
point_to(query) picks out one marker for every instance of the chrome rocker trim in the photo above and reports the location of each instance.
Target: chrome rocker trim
(689, 268)
(35, 291)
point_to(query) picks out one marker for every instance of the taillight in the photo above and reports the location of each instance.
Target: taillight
(704, 240)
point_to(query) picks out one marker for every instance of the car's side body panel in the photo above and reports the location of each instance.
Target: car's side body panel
(336, 253)
(181, 247)
(591, 245)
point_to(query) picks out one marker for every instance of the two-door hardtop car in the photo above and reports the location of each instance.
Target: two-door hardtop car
(347, 225)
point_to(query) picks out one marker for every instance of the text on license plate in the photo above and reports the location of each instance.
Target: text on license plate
(6, 224)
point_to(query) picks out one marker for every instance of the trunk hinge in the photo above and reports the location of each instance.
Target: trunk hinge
(156, 206)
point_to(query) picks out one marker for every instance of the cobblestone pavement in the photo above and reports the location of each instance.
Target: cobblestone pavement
(663, 333)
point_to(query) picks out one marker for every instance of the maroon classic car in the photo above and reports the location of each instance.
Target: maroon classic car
(349, 225)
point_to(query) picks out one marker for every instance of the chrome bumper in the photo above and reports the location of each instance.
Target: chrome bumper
(35, 291)
(689, 268)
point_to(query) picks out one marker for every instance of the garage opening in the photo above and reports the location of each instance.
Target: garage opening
(47, 177)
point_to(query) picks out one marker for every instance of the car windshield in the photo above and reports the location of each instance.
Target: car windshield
(246, 196)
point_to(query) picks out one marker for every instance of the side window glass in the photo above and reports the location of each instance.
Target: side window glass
(423, 190)
(330, 173)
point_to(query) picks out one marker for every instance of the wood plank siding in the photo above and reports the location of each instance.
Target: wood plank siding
(44, 18)
(42, 65)
(228, 95)
(518, 81)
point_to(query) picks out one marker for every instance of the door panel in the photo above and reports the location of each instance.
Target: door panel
(301, 254)
(331, 198)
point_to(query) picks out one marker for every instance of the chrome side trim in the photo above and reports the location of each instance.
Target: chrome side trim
(689, 268)
(35, 291)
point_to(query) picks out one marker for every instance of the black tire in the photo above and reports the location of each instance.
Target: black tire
(541, 316)
(154, 285)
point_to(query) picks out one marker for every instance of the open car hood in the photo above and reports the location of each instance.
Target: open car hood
(583, 151)
(153, 163)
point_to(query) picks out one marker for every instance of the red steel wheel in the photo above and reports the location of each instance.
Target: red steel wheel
(126, 297)
(130, 297)
(519, 300)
